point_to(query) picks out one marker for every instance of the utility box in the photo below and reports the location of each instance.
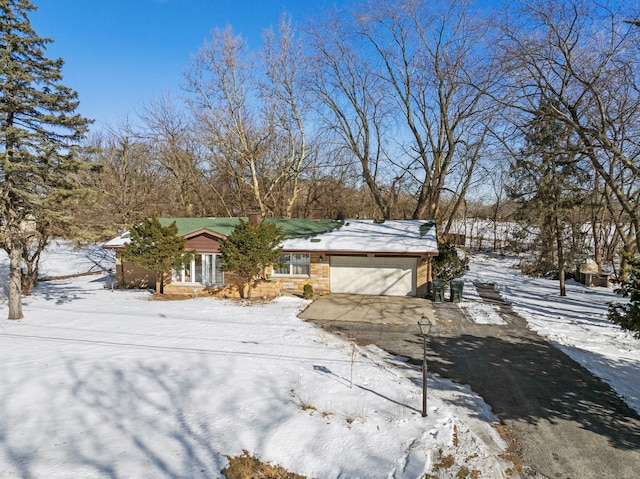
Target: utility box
(438, 290)
(456, 291)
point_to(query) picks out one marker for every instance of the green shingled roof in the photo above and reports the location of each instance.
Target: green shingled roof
(292, 228)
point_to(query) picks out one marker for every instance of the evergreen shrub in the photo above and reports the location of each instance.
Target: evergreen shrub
(307, 291)
(627, 315)
(448, 264)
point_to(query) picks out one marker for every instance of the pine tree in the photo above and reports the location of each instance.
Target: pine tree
(548, 183)
(156, 248)
(39, 135)
(627, 315)
(249, 249)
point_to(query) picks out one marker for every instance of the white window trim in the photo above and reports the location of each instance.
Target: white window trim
(178, 276)
(290, 274)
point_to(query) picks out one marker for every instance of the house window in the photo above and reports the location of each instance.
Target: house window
(294, 264)
(204, 269)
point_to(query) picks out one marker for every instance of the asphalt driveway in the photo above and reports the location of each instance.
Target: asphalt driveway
(565, 422)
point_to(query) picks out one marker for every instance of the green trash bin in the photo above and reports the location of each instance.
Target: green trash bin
(438, 290)
(456, 291)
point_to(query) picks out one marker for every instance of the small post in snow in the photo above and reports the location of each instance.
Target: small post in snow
(112, 279)
(425, 327)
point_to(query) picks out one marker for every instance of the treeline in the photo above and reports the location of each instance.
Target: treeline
(396, 109)
(381, 109)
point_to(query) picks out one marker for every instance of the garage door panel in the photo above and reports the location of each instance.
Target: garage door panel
(373, 275)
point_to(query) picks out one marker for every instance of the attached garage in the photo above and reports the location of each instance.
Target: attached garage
(384, 276)
(380, 258)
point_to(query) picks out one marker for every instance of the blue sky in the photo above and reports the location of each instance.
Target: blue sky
(121, 53)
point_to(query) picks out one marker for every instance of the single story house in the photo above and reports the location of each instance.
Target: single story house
(391, 257)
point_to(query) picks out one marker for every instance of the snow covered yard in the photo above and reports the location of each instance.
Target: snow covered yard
(576, 324)
(100, 384)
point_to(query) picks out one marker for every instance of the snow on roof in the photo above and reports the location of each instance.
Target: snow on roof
(117, 242)
(367, 236)
(356, 236)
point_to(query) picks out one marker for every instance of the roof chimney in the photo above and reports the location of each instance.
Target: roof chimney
(317, 214)
(255, 218)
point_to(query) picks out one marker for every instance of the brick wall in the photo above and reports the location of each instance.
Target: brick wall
(423, 278)
(261, 289)
(318, 277)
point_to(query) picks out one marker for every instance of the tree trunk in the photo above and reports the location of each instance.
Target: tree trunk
(159, 283)
(27, 278)
(560, 246)
(26, 283)
(597, 246)
(32, 248)
(15, 283)
(122, 271)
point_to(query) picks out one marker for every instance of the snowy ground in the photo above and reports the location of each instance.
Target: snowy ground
(99, 384)
(576, 323)
(102, 384)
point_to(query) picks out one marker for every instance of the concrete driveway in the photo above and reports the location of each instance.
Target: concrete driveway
(565, 423)
(383, 310)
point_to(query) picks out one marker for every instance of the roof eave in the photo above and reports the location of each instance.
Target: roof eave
(200, 231)
(360, 252)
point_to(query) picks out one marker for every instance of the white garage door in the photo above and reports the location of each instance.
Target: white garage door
(373, 275)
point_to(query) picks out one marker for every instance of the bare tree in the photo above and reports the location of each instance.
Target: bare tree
(251, 111)
(285, 94)
(353, 97)
(170, 133)
(129, 182)
(582, 57)
(405, 84)
(222, 84)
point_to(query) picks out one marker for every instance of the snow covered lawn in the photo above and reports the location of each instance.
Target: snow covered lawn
(102, 384)
(576, 324)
